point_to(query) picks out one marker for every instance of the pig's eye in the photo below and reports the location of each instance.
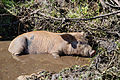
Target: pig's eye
(80, 42)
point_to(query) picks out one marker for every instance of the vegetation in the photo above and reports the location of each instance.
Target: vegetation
(103, 33)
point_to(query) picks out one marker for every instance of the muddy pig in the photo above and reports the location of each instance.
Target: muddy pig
(38, 42)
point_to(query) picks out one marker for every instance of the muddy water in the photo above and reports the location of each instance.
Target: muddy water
(11, 68)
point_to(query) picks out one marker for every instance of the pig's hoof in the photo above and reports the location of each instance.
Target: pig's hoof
(16, 54)
(55, 56)
(22, 77)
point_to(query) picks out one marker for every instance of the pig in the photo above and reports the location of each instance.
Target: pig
(40, 42)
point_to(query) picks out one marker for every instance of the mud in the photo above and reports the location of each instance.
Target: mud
(11, 68)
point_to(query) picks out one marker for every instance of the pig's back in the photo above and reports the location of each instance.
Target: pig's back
(40, 41)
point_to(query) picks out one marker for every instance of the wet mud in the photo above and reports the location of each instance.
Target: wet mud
(10, 68)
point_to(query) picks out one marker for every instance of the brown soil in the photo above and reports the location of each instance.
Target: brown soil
(11, 68)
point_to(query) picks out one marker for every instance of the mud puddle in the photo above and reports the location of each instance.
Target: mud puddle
(10, 68)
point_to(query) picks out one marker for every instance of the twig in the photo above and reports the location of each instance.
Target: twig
(103, 3)
(72, 19)
(108, 66)
(85, 19)
(112, 5)
(117, 2)
(5, 15)
(112, 1)
(116, 32)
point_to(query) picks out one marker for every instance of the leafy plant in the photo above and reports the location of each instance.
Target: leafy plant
(8, 3)
(60, 77)
(118, 46)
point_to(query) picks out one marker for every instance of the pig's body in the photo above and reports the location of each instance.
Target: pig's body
(38, 42)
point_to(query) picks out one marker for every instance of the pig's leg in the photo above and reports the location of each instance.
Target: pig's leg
(55, 51)
(15, 54)
(17, 58)
(55, 54)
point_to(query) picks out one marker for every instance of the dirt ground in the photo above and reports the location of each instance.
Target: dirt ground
(11, 68)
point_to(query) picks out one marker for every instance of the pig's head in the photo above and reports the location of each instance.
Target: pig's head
(78, 45)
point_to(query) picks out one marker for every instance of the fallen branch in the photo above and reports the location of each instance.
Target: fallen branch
(72, 19)
(85, 19)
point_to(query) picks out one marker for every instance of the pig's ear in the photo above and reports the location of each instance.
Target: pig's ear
(83, 34)
(68, 37)
(78, 34)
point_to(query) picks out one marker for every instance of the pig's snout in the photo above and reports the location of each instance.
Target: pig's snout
(92, 53)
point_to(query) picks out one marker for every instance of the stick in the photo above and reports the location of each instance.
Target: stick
(72, 19)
